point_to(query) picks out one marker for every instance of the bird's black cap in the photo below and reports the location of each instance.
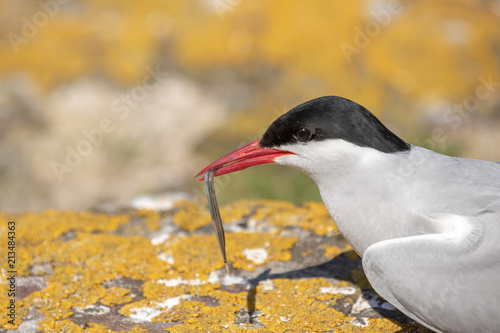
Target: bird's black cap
(332, 117)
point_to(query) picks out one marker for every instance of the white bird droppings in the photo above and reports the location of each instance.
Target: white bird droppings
(258, 256)
(267, 285)
(146, 314)
(337, 290)
(166, 258)
(225, 280)
(166, 201)
(213, 277)
(361, 322)
(160, 239)
(370, 302)
(96, 310)
(176, 282)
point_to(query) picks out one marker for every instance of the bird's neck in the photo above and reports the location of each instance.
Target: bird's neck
(365, 190)
(361, 195)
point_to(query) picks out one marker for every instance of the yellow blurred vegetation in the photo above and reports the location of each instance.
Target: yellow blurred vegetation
(271, 56)
(429, 49)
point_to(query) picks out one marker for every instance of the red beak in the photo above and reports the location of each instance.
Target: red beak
(242, 158)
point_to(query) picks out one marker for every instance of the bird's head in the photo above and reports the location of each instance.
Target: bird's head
(313, 137)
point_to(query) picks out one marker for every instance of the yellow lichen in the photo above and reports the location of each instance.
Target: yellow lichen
(311, 216)
(130, 308)
(116, 295)
(277, 248)
(190, 216)
(334, 251)
(198, 255)
(209, 318)
(151, 218)
(66, 326)
(84, 252)
(136, 329)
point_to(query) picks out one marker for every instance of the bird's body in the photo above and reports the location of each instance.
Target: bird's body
(391, 194)
(426, 225)
(430, 240)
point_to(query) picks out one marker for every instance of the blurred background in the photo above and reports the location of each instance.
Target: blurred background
(105, 100)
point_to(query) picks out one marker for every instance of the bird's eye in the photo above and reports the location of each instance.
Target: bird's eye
(303, 134)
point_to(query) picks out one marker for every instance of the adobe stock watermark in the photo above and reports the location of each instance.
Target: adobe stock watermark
(224, 6)
(454, 117)
(120, 108)
(363, 36)
(32, 25)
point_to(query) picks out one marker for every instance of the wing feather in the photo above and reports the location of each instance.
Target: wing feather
(447, 281)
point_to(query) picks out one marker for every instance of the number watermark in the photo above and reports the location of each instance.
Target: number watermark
(11, 271)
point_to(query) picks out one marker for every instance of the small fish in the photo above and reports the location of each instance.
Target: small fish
(214, 212)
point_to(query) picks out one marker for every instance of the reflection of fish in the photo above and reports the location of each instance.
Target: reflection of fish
(214, 211)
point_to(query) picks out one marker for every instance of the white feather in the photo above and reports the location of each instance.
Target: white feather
(421, 220)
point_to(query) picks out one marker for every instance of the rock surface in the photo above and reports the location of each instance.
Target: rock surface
(156, 271)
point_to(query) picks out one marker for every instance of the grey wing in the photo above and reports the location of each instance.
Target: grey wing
(448, 281)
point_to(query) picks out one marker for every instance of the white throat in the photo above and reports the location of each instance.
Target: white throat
(357, 185)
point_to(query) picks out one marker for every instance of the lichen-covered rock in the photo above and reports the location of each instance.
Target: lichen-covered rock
(147, 271)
